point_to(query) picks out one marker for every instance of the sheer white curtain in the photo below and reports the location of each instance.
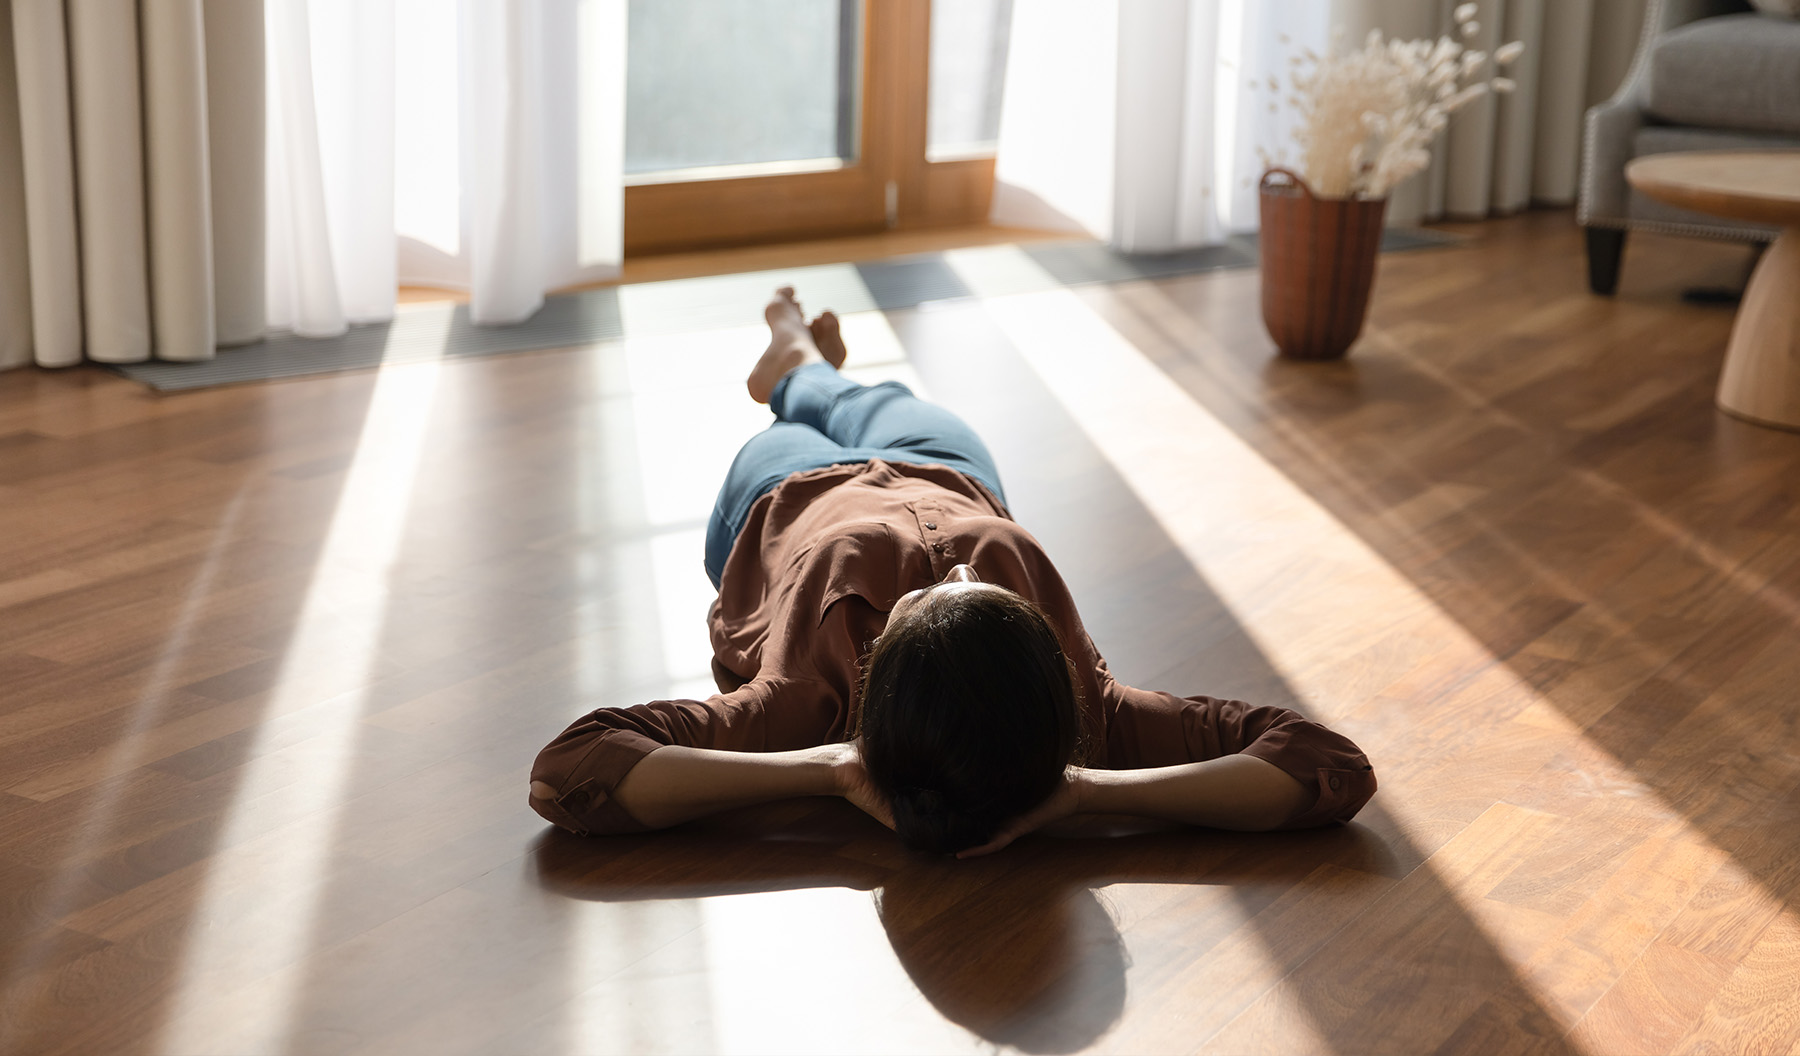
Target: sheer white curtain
(1146, 122)
(476, 145)
(1136, 120)
(330, 164)
(182, 175)
(512, 142)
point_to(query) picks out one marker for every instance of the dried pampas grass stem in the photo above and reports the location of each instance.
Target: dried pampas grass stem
(1367, 117)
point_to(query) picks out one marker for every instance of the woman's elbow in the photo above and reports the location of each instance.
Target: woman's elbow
(544, 799)
(586, 810)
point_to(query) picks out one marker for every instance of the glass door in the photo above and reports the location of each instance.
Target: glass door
(750, 121)
(771, 120)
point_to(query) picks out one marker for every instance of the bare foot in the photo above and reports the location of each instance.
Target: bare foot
(829, 339)
(791, 345)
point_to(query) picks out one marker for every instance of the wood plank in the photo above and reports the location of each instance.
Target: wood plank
(1577, 693)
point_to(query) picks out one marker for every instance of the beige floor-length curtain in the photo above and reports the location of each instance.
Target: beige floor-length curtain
(1503, 153)
(131, 176)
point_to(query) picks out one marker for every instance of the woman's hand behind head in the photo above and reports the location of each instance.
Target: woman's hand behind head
(1063, 802)
(852, 779)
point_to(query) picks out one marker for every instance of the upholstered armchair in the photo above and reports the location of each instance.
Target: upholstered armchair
(1708, 75)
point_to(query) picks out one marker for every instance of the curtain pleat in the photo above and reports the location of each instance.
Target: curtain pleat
(236, 101)
(1515, 133)
(1149, 163)
(179, 184)
(510, 119)
(584, 139)
(15, 265)
(1165, 151)
(1501, 154)
(109, 179)
(330, 154)
(503, 41)
(180, 175)
(541, 131)
(1469, 141)
(1561, 101)
(115, 197)
(41, 53)
(302, 280)
(1197, 219)
(1397, 20)
(1146, 122)
(1058, 116)
(353, 91)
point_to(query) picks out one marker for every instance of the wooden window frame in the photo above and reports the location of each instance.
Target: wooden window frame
(896, 60)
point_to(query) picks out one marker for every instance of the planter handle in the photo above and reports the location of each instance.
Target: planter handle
(1276, 178)
(1317, 257)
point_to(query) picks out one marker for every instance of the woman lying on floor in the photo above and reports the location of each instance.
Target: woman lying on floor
(887, 633)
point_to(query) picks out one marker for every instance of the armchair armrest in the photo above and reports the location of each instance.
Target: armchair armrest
(1611, 127)
(1606, 146)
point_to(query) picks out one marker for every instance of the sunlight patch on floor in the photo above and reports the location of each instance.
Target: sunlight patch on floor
(720, 302)
(802, 971)
(1305, 588)
(683, 596)
(630, 987)
(258, 903)
(809, 970)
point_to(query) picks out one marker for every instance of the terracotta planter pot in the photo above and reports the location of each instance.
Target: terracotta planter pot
(1318, 265)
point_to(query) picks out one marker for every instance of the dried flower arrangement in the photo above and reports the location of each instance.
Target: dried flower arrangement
(1367, 117)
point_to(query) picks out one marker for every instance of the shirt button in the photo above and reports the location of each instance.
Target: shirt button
(937, 548)
(930, 527)
(1336, 782)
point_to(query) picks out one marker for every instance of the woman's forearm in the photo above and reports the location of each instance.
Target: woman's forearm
(1231, 792)
(674, 784)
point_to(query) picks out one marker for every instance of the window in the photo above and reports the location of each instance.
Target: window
(768, 120)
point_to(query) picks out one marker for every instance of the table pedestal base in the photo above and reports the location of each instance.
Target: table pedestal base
(1761, 382)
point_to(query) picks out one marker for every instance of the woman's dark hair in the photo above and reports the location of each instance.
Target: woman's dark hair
(969, 716)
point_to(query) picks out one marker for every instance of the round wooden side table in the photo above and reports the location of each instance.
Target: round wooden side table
(1761, 382)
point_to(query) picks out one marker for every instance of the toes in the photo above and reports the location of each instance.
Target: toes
(784, 300)
(827, 336)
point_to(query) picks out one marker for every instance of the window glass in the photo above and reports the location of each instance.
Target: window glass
(968, 72)
(740, 82)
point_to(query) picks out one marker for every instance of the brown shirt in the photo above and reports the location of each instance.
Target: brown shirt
(809, 584)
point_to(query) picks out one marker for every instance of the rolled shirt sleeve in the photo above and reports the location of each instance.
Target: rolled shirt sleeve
(1146, 729)
(588, 760)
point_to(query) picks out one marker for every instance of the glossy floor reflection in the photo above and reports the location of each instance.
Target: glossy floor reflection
(1030, 950)
(262, 786)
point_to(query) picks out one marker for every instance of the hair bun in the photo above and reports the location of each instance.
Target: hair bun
(925, 802)
(927, 820)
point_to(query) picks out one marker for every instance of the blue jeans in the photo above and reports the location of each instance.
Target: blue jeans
(825, 419)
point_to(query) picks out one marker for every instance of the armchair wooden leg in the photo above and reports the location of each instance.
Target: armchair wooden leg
(1605, 245)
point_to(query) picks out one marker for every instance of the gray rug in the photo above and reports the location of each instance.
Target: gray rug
(686, 305)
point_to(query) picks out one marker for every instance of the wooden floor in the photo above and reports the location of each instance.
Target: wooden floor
(275, 658)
